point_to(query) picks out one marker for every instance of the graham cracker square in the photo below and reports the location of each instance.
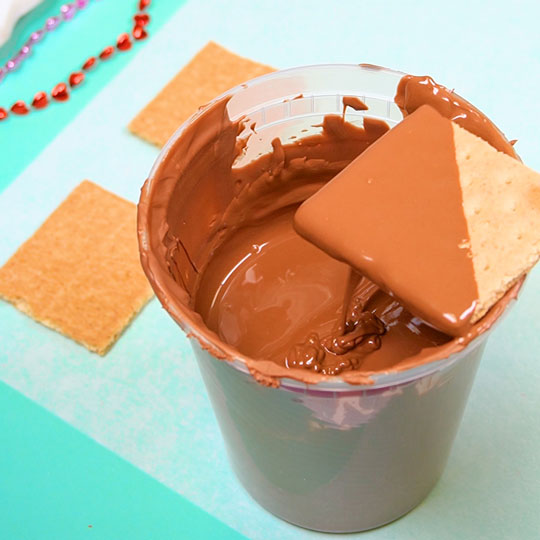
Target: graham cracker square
(212, 71)
(80, 273)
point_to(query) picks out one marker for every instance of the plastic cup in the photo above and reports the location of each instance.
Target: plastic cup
(331, 456)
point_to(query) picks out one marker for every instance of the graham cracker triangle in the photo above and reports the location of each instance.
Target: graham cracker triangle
(501, 202)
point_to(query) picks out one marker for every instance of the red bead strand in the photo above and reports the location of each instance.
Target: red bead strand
(123, 43)
(60, 92)
(76, 78)
(139, 33)
(20, 107)
(90, 63)
(141, 19)
(40, 100)
(107, 52)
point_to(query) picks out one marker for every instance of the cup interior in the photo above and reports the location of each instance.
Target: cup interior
(288, 105)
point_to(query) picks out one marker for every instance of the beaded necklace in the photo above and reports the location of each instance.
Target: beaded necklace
(61, 91)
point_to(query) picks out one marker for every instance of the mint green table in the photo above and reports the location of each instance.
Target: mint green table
(128, 443)
(56, 483)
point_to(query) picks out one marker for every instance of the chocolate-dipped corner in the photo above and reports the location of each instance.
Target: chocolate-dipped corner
(396, 215)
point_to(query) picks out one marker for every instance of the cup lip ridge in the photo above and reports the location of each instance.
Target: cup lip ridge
(206, 338)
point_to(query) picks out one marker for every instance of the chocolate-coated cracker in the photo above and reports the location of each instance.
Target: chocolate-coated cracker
(435, 216)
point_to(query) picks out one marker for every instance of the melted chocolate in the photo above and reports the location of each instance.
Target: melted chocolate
(353, 102)
(414, 91)
(219, 249)
(274, 296)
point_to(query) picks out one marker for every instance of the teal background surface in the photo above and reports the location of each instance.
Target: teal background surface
(57, 483)
(145, 401)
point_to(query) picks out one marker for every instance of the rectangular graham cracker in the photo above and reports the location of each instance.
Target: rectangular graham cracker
(80, 273)
(212, 71)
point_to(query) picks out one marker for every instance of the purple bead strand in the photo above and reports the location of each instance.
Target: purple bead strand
(67, 12)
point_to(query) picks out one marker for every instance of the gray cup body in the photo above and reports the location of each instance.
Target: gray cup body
(338, 461)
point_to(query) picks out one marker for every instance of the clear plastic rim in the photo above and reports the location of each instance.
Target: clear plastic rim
(338, 385)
